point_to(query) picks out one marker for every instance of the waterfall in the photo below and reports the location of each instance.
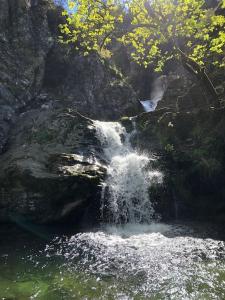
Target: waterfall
(125, 193)
(159, 88)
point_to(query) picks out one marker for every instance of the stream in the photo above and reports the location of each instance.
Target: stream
(130, 255)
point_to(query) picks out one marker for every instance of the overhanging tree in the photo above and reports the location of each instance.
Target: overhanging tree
(156, 31)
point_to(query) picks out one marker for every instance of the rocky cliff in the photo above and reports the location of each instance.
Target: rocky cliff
(52, 165)
(50, 162)
(36, 70)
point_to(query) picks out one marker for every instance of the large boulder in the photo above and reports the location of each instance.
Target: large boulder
(52, 169)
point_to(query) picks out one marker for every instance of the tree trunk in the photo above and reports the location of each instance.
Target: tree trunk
(201, 74)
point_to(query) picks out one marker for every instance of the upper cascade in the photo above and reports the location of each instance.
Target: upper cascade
(125, 197)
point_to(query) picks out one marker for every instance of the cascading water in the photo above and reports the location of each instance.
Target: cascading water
(129, 176)
(122, 261)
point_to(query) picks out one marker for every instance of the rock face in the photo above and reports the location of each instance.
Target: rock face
(34, 69)
(51, 168)
(191, 147)
(88, 84)
(185, 92)
(24, 42)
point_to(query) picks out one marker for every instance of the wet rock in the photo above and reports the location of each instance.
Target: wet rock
(51, 170)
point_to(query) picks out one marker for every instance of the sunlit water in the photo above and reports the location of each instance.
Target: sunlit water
(125, 195)
(158, 89)
(157, 261)
(130, 257)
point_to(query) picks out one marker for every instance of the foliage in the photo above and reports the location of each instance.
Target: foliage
(156, 30)
(169, 148)
(92, 23)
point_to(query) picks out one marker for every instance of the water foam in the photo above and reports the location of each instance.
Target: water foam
(164, 261)
(129, 176)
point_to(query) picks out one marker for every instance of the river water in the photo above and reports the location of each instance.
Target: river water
(130, 255)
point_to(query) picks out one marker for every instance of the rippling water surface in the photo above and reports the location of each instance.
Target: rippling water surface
(157, 261)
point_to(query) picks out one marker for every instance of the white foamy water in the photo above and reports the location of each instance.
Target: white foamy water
(132, 257)
(129, 176)
(159, 87)
(155, 261)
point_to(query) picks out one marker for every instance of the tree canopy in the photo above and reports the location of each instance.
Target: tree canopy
(154, 30)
